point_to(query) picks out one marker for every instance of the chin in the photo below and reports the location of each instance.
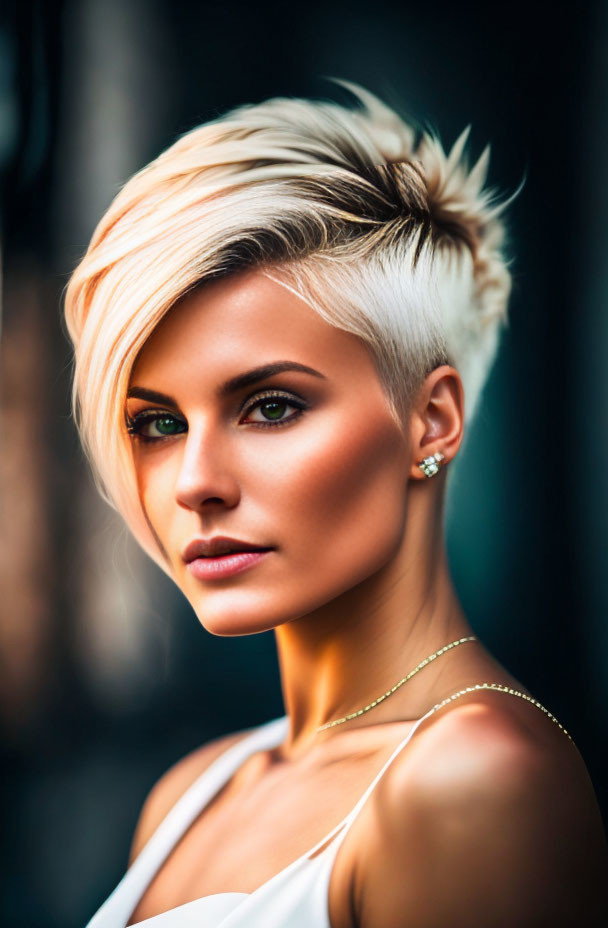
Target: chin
(231, 612)
(230, 625)
(246, 610)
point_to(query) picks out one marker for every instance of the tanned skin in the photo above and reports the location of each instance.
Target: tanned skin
(488, 818)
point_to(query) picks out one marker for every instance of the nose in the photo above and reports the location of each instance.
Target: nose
(205, 478)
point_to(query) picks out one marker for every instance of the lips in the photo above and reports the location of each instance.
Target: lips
(218, 546)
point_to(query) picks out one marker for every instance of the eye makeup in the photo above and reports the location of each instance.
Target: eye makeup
(271, 403)
(274, 402)
(140, 420)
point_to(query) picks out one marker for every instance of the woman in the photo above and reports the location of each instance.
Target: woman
(281, 328)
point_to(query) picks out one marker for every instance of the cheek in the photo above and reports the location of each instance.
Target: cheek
(344, 493)
(331, 498)
(156, 477)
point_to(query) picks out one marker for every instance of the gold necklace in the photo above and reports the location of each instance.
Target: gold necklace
(500, 688)
(393, 689)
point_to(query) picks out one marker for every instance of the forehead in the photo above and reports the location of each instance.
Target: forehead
(244, 321)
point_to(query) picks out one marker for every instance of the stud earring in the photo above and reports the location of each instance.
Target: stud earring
(430, 466)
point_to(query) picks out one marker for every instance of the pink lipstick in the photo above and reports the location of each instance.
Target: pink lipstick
(220, 557)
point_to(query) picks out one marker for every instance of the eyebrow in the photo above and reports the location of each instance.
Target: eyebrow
(235, 383)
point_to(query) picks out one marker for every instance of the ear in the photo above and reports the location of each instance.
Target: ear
(437, 418)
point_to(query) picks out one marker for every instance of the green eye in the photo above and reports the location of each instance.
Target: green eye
(167, 425)
(151, 426)
(273, 410)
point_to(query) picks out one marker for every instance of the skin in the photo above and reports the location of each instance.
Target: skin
(488, 817)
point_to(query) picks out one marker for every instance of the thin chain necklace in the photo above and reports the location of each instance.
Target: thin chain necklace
(393, 689)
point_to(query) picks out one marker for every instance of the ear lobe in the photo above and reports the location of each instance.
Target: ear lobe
(437, 421)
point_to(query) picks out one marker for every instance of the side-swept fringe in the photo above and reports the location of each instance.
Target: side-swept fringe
(378, 228)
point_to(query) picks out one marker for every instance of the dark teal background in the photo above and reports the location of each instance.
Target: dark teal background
(528, 501)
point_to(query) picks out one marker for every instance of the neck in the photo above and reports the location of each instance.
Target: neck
(348, 652)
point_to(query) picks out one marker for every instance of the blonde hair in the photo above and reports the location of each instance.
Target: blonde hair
(383, 234)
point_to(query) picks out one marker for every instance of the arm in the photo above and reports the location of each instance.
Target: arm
(172, 785)
(484, 826)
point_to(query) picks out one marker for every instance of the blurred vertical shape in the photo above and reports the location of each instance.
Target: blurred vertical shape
(8, 102)
(115, 96)
(27, 578)
(590, 444)
(8, 134)
(115, 102)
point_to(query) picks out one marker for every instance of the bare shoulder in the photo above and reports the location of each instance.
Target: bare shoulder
(173, 784)
(488, 819)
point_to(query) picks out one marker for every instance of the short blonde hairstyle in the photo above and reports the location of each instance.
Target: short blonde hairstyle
(379, 231)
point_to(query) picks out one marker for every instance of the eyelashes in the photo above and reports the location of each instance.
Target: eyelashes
(273, 401)
(271, 405)
(137, 423)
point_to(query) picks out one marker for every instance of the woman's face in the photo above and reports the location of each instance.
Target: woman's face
(270, 428)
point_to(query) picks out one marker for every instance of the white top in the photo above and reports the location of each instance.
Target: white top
(296, 897)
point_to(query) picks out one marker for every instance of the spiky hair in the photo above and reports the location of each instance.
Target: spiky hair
(371, 223)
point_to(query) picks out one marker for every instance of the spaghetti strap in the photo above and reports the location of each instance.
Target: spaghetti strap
(120, 903)
(346, 822)
(298, 894)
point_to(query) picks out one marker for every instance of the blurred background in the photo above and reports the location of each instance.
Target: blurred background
(106, 677)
